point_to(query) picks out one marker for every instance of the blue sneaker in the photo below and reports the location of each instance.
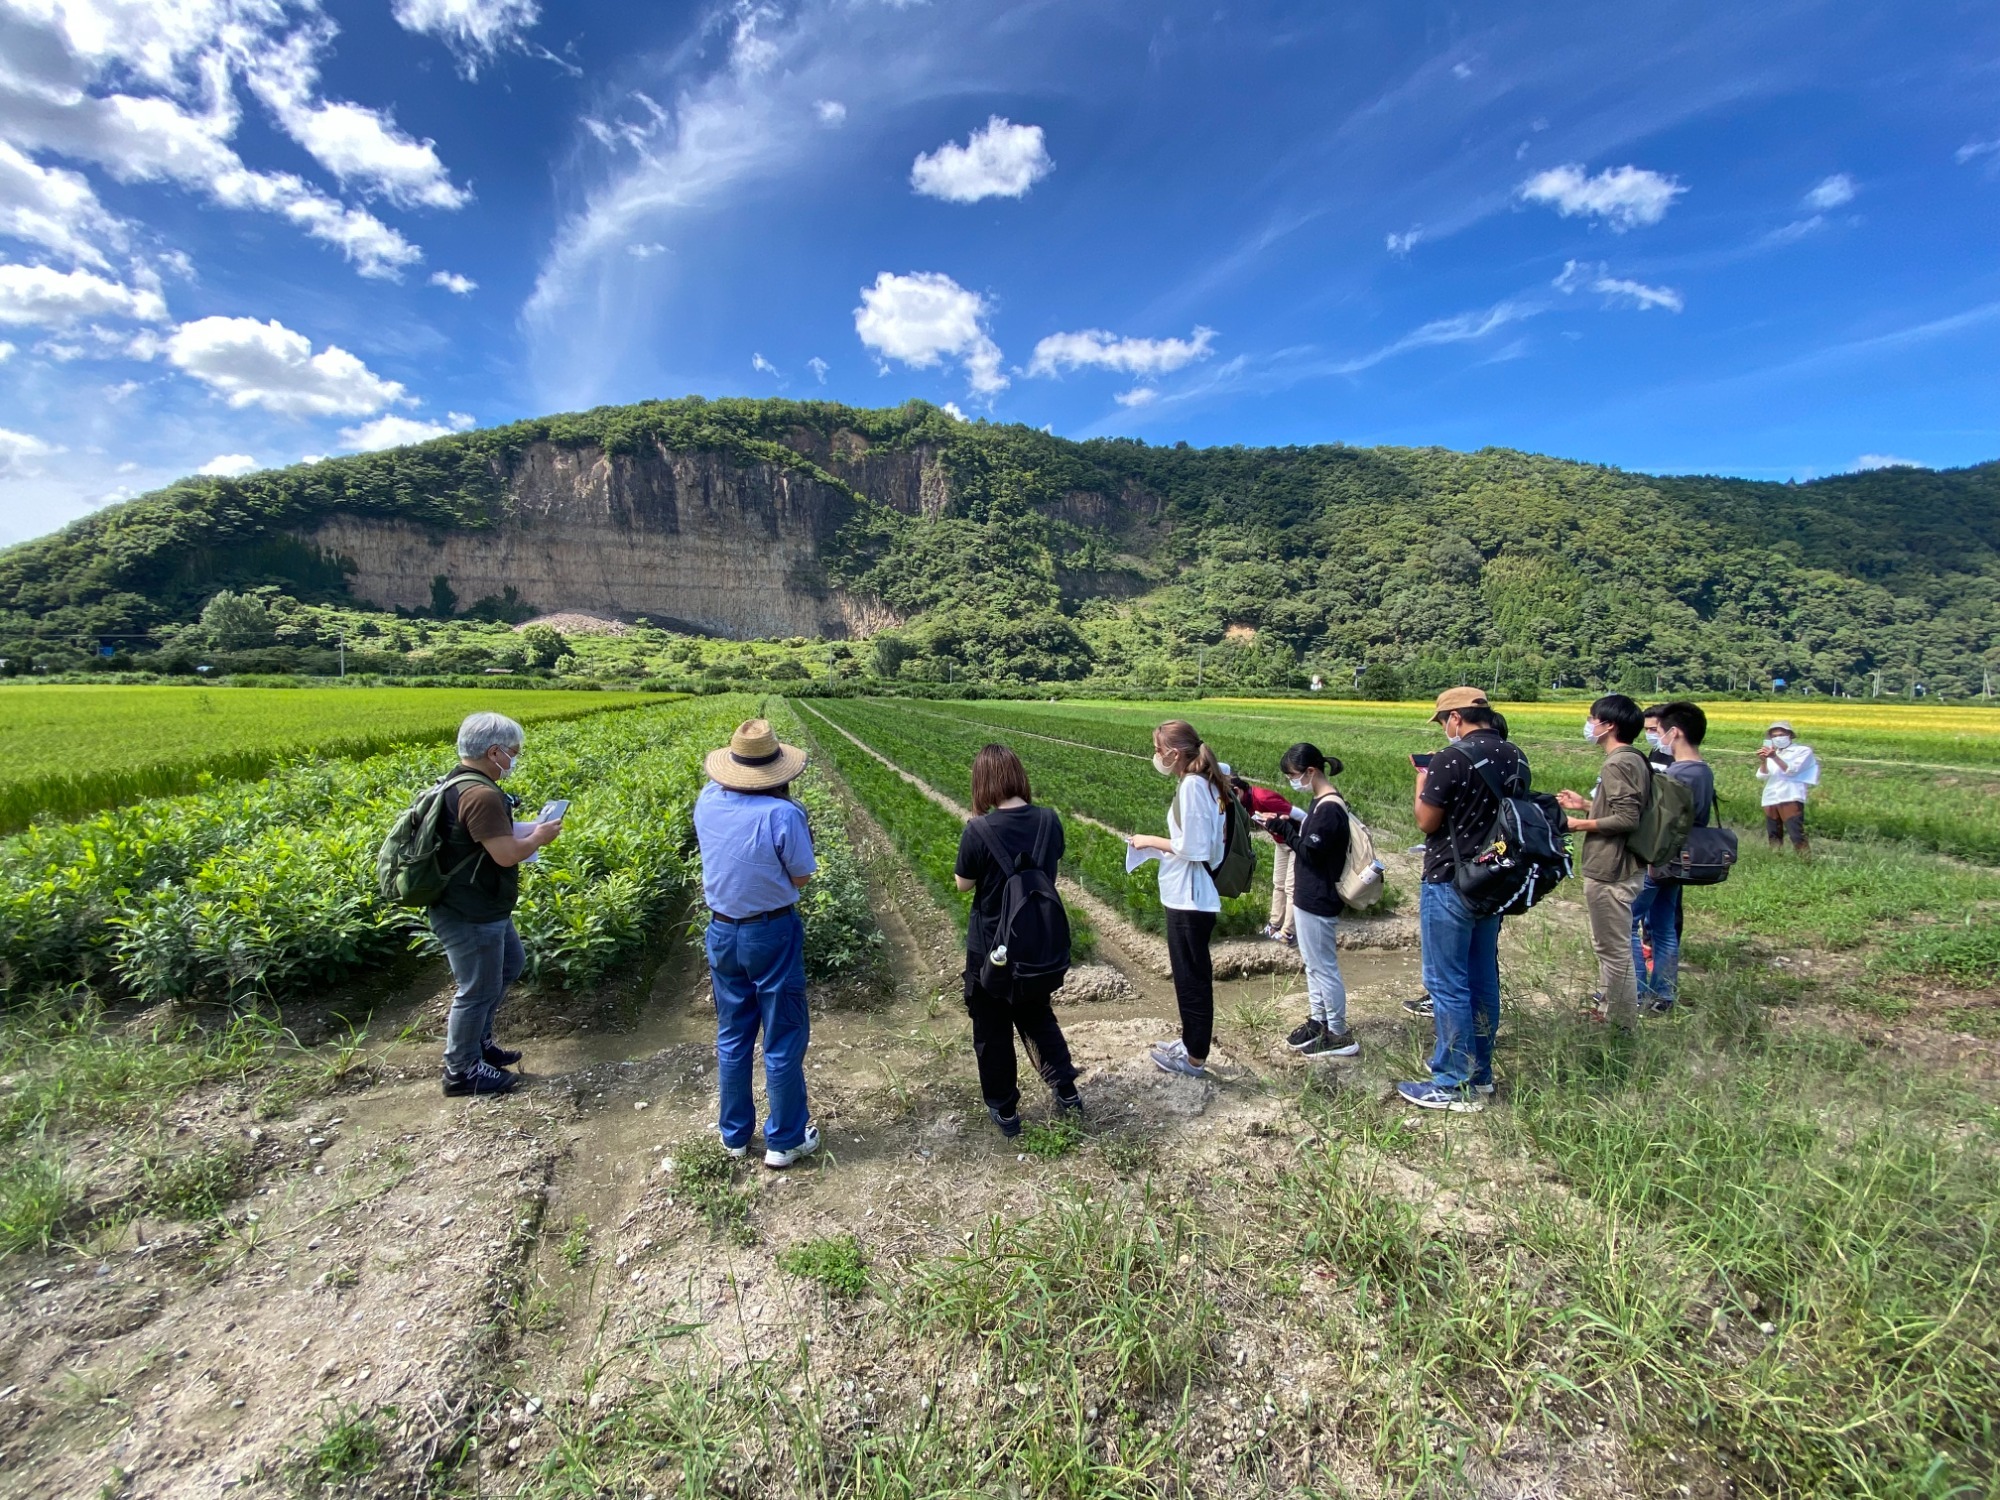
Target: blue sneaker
(1429, 1096)
(1009, 1125)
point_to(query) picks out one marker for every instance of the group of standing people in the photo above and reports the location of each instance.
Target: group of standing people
(757, 858)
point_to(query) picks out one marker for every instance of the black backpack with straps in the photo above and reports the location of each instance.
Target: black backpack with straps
(1031, 938)
(1523, 857)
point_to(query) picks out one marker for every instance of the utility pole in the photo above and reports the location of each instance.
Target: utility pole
(1877, 692)
(1656, 682)
(1200, 662)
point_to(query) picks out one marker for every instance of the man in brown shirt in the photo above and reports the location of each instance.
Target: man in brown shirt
(1612, 873)
(474, 919)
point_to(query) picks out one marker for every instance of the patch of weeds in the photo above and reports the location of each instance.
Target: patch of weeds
(705, 1180)
(195, 1185)
(341, 1277)
(36, 1194)
(1052, 1138)
(537, 1312)
(80, 1390)
(1974, 1020)
(1130, 1154)
(344, 1061)
(575, 1247)
(350, 1446)
(835, 1262)
(1258, 1015)
(1870, 1001)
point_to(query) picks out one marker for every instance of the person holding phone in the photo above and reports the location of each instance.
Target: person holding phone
(483, 849)
(1273, 814)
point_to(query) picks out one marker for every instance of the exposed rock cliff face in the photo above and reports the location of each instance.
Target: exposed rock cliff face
(690, 537)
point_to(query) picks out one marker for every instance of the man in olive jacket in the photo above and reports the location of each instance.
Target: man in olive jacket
(1612, 873)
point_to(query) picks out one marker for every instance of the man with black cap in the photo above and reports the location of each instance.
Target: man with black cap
(756, 856)
(1455, 807)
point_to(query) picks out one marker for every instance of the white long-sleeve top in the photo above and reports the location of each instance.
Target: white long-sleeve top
(1788, 773)
(1196, 830)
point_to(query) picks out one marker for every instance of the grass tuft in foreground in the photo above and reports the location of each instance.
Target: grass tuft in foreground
(835, 1262)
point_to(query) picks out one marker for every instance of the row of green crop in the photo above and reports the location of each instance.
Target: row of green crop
(1127, 795)
(842, 937)
(269, 887)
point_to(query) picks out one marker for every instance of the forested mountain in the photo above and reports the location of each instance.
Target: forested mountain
(1004, 552)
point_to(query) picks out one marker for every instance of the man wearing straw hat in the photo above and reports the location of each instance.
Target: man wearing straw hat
(756, 856)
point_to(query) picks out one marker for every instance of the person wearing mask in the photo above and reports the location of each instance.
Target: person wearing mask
(1455, 805)
(756, 857)
(1319, 854)
(1196, 832)
(1674, 732)
(474, 919)
(1612, 873)
(1788, 770)
(1259, 804)
(1007, 828)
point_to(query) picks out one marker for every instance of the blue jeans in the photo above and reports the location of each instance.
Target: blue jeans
(485, 958)
(1656, 916)
(1462, 973)
(1326, 991)
(758, 973)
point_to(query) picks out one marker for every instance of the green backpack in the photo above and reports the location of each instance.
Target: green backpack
(1233, 872)
(408, 870)
(1664, 825)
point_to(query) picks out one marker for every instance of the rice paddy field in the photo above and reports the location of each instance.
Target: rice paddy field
(246, 1246)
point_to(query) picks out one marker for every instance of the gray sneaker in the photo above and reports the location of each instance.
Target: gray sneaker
(1172, 1057)
(1333, 1044)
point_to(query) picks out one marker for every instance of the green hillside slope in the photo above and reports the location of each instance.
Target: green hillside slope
(1050, 559)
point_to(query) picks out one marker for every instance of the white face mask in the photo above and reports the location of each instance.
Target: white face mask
(513, 760)
(1297, 783)
(1656, 740)
(1592, 730)
(1160, 764)
(1779, 741)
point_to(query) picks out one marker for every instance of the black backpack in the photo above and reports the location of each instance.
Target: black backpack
(1031, 939)
(1705, 859)
(1523, 857)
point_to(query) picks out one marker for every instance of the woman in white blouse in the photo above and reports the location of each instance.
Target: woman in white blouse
(1194, 841)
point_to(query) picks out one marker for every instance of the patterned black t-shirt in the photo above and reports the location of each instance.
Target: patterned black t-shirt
(1468, 802)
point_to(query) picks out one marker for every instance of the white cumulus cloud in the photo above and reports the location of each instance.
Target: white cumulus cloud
(1093, 348)
(1140, 395)
(1831, 192)
(1624, 197)
(229, 465)
(925, 318)
(457, 285)
(1003, 160)
(20, 454)
(392, 431)
(269, 365)
(53, 208)
(475, 30)
(57, 299)
(1621, 291)
(830, 111)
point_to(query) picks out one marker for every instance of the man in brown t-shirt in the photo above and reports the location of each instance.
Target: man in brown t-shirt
(474, 919)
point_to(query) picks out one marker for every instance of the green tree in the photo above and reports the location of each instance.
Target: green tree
(543, 645)
(237, 622)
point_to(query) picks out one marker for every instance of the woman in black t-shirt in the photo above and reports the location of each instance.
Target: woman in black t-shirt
(1006, 815)
(1319, 853)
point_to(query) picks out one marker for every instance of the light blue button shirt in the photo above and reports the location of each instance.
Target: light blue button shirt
(751, 847)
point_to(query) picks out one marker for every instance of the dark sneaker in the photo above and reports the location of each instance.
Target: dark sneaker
(1010, 1125)
(1072, 1102)
(480, 1078)
(1421, 1006)
(1657, 1009)
(498, 1057)
(1333, 1044)
(1427, 1095)
(1304, 1035)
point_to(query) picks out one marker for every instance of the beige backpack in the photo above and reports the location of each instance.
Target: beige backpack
(1360, 882)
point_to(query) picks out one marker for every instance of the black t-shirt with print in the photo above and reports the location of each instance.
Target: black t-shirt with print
(1015, 830)
(1468, 802)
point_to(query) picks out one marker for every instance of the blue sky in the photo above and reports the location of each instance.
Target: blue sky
(1748, 240)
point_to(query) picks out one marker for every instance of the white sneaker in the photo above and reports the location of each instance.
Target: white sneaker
(739, 1152)
(779, 1160)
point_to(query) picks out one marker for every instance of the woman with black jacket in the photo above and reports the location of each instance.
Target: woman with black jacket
(1319, 853)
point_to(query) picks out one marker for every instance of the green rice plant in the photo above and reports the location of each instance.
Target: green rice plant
(835, 1262)
(843, 939)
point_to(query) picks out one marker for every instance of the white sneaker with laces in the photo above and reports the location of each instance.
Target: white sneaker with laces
(739, 1152)
(777, 1161)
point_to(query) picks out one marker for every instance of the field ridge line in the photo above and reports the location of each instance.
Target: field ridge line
(1053, 739)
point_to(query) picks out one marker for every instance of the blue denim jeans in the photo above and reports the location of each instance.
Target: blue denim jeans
(485, 958)
(1656, 919)
(1326, 991)
(1462, 973)
(758, 973)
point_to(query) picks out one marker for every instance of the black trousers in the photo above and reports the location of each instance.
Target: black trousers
(995, 1019)
(1188, 934)
(1785, 818)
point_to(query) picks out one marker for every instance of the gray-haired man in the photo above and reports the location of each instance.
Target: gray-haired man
(475, 918)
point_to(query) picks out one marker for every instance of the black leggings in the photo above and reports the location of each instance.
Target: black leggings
(1188, 934)
(995, 1018)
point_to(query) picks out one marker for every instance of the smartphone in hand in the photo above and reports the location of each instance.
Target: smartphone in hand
(1421, 762)
(553, 812)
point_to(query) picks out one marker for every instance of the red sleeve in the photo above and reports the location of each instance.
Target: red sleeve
(1264, 800)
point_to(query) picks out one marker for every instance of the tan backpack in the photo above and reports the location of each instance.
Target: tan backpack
(1360, 882)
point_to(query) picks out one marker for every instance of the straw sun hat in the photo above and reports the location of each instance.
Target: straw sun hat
(753, 760)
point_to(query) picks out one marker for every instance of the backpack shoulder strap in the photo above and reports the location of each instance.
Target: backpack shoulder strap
(992, 841)
(1042, 837)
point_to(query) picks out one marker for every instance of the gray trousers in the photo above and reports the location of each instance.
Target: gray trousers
(1609, 903)
(485, 958)
(1326, 991)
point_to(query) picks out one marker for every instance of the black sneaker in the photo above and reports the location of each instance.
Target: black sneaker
(1304, 1034)
(1071, 1102)
(1421, 1006)
(1010, 1125)
(497, 1056)
(1333, 1044)
(480, 1078)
